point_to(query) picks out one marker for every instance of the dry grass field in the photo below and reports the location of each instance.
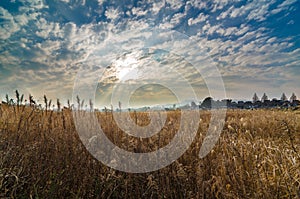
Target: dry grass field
(257, 156)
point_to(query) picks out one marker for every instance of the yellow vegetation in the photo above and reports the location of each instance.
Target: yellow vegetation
(257, 156)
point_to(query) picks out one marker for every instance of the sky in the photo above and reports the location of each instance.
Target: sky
(154, 50)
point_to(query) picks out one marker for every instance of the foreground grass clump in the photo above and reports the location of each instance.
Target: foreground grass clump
(257, 156)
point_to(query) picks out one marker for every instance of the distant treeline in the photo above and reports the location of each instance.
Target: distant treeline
(208, 103)
(283, 102)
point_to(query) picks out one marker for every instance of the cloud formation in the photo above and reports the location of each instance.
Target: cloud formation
(254, 44)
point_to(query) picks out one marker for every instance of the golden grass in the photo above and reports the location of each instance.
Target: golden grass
(257, 156)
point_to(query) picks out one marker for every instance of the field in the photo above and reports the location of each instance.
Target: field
(257, 156)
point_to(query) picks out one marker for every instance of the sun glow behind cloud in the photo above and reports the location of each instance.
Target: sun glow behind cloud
(126, 68)
(149, 72)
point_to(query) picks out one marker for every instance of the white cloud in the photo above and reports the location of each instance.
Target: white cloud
(230, 31)
(271, 40)
(259, 14)
(169, 21)
(112, 13)
(241, 11)
(219, 4)
(196, 4)
(283, 6)
(200, 18)
(157, 6)
(23, 19)
(9, 25)
(32, 5)
(225, 31)
(137, 24)
(47, 29)
(208, 29)
(175, 4)
(138, 11)
(166, 26)
(13, 23)
(7, 59)
(226, 13)
(287, 3)
(100, 2)
(176, 19)
(242, 30)
(254, 55)
(255, 10)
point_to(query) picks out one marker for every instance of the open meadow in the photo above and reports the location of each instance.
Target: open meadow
(257, 156)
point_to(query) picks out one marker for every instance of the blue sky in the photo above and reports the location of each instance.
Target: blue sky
(255, 44)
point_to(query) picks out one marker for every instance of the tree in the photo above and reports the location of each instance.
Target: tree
(207, 102)
(293, 97)
(193, 105)
(120, 106)
(283, 97)
(255, 98)
(264, 97)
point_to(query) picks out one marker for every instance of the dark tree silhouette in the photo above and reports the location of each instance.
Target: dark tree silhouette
(293, 97)
(207, 103)
(264, 97)
(283, 97)
(255, 98)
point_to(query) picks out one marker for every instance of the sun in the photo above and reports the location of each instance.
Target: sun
(126, 67)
